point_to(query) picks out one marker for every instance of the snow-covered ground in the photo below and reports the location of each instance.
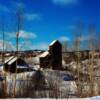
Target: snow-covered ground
(61, 81)
(54, 79)
(89, 98)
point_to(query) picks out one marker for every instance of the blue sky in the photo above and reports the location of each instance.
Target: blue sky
(47, 20)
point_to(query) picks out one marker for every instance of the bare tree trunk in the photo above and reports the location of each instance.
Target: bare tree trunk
(3, 55)
(92, 51)
(19, 26)
(78, 37)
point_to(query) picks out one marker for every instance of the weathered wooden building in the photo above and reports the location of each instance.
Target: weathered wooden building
(55, 50)
(16, 64)
(53, 57)
(45, 59)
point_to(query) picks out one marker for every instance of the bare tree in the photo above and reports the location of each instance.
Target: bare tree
(77, 44)
(91, 56)
(19, 18)
(65, 45)
(3, 55)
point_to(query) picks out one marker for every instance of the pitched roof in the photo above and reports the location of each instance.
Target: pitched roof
(7, 60)
(12, 60)
(53, 42)
(46, 53)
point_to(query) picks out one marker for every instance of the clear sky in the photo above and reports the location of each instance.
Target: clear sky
(47, 20)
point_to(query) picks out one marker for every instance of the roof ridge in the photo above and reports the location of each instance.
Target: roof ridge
(53, 42)
(9, 59)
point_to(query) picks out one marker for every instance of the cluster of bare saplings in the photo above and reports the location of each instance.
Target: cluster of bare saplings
(89, 86)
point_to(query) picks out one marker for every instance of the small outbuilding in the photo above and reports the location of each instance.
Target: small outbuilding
(16, 64)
